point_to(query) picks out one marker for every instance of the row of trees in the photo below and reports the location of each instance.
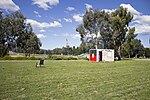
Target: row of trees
(63, 51)
(105, 30)
(17, 35)
(137, 51)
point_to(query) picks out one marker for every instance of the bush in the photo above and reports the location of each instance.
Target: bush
(55, 58)
(83, 58)
(7, 58)
(49, 58)
(58, 58)
(18, 58)
(33, 58)
(72, 58)
(61, 58)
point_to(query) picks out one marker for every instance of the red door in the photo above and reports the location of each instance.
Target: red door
(93, 55)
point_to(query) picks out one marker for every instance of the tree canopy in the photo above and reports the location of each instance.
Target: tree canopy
(17, 35)
(107, 30)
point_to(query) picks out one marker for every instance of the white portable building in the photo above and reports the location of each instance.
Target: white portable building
(104, 55)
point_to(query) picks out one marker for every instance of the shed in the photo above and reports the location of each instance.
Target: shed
(104, 55)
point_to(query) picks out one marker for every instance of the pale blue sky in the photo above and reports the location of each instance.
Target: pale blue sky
(54, 21)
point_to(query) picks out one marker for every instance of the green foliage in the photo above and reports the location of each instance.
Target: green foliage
(96, 26)
(66, 51)
(83, 58)
(120, 20)
(17, 35)
(133, 48)
(72, 58)
(105, 30)
(147, 52)
(138, 48)
(19, 58)
(75, 80)
(62, 58)
(128, 46)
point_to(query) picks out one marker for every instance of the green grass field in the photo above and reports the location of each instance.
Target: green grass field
(75, 80)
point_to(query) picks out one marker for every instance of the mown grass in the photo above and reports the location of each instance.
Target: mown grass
(75, 80)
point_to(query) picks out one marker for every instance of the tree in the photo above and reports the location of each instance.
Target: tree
(120, 20)
(147, 52)
(8, 33)
(2, 37)
(129, 44)
(16, 34)
(57, 51)
(95, 30)
(138, 49)
(27, 42)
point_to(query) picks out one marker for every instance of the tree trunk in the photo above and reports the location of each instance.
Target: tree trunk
(129, 55)
(119, 53)
(96, 43)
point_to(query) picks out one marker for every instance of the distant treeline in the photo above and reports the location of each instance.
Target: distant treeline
(76, 51)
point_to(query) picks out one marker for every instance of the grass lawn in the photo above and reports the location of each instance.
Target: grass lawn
(75, 80)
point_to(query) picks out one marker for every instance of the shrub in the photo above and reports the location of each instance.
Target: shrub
(19, 58)
(58, 58)
(83, 58)
(33, 58)
(61, 58)
(7, 58)
(72, 58)
(55, 58)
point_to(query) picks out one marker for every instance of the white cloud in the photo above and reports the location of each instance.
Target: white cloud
(45, 4)
(41, 36)
(130, 9)
(88, 6)
(140, 21)
(78, 17)
(42, 30)
(142, 28)
(76, 35)
(35, 24)
(70, 8)
(142, 24)
(37, 14)
(68, 20)
(59, 20)
(72, 35)
(109, 10)
(143, 19)
(55, 24)
(9, 5)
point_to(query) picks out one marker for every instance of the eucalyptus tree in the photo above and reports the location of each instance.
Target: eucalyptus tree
(96, 30)
(15, 33)
(28, 42)
(139, 49)
(129, 44)
(2, 41)
(120, 20)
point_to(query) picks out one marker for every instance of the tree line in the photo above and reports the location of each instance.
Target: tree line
(17, 35)
(100, 29)
(68, 50)
(110, 30)
(139, 51)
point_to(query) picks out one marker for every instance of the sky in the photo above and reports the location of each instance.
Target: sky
(55, 21)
